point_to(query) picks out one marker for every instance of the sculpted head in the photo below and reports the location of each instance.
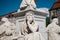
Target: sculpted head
(4, 19)
(29, 16)
(55, 20)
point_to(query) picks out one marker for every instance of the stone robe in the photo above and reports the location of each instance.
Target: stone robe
(33, 35)
(53, 31)
(7, 31)
(28, 4)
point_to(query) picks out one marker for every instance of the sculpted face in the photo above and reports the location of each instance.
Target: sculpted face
(30, 17)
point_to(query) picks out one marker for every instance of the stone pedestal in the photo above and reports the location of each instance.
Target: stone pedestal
(39, 17)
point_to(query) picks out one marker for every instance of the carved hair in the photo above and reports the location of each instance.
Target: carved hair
(29, 13)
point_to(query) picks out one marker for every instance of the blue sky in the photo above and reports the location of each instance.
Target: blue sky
(7, 6)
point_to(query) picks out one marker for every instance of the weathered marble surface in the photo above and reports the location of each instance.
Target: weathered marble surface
(54, 30)
(34, 36)
(28, 4)
(20, 21)
(30, 27)
(7, 30)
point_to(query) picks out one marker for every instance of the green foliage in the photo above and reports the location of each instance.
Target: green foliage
(47, 21)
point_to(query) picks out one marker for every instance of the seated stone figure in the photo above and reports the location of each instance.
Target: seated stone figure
(7, 29)
(54, 30)
(26, 4)
(30, 29)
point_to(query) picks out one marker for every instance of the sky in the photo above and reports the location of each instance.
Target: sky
(8, 6)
